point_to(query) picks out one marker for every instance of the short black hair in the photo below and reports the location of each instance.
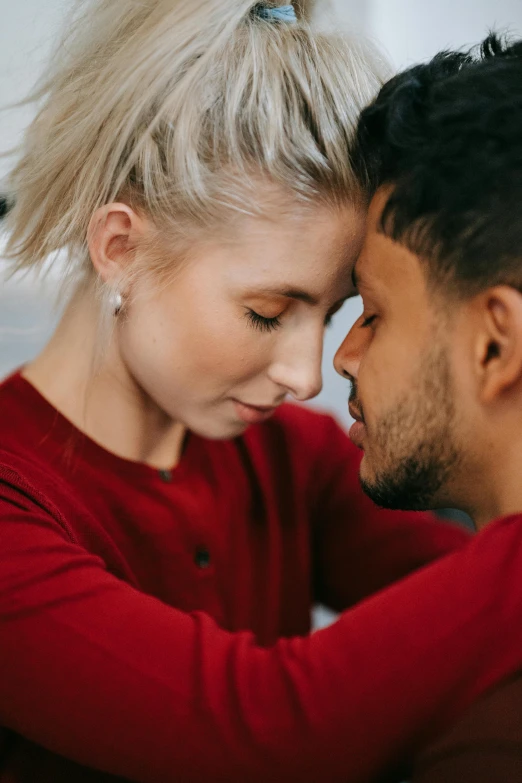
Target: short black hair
(447, 137)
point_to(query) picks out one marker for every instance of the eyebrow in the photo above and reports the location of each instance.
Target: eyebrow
(290, 293)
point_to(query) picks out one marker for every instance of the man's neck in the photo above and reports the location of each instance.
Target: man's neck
(495, 490)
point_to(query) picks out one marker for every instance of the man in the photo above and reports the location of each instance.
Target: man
(436, 357)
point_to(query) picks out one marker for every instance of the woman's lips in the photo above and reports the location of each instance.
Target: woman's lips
(357, 433)
(252, 414)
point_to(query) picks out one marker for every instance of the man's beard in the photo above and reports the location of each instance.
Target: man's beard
(412, 448)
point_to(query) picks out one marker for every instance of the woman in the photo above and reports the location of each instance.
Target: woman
(193, 161)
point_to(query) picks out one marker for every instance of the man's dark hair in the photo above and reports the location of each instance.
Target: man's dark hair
(447, 136)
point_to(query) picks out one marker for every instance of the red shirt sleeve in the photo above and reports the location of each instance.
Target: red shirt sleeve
(360, 548)
(484, 746)
(114, 679)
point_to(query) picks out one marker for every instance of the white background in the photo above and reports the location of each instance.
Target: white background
(408, 30)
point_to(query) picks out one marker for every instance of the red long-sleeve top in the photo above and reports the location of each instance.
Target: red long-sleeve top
(153, 625)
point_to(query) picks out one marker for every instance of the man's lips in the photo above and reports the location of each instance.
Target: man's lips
(358, 429)
(355, 413)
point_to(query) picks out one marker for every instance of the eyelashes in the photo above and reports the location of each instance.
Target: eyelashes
(368, 321)
(328, 320)
(263, 324)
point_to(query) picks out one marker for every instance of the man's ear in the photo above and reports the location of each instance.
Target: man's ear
(498, 346)
(114, 232)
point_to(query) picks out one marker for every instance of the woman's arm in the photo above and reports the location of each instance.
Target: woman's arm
(105, 675)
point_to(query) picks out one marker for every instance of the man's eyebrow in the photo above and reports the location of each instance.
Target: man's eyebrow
(290, 293)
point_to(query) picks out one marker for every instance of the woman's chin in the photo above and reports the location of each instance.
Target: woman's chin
(217, 428)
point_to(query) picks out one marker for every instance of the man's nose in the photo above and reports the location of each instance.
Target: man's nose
(349, 354)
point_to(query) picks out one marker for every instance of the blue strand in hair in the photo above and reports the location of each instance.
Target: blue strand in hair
(283, 13)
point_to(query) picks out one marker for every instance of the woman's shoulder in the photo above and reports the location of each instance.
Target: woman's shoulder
(23, 464)
(19, 416)
(38, 495)
(16, 413)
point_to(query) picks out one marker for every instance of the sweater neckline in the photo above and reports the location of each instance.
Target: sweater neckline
(65, 434)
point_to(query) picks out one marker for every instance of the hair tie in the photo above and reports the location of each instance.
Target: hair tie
(283, 13)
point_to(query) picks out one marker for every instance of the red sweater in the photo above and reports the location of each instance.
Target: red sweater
(484, 746)
(139, 611)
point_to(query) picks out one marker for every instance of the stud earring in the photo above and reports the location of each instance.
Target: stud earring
(116, 303)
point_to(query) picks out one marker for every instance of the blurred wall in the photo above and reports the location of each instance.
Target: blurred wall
(413, 31)
(410, 30)
(27, 29)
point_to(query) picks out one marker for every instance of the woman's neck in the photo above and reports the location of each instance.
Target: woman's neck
(95, 391)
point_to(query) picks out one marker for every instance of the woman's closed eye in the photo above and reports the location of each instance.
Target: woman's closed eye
(262, 323)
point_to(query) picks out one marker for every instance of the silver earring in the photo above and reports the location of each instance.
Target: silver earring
(116, 303)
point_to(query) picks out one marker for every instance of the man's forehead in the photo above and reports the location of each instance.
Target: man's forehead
(363, 264)
(384, 262)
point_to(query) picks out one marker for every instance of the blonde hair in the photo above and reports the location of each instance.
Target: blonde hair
(180, 108)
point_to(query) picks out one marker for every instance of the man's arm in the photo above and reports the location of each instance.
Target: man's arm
(484, 746)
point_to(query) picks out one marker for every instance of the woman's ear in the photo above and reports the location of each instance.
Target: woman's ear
(114, 232)
(499, 341)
